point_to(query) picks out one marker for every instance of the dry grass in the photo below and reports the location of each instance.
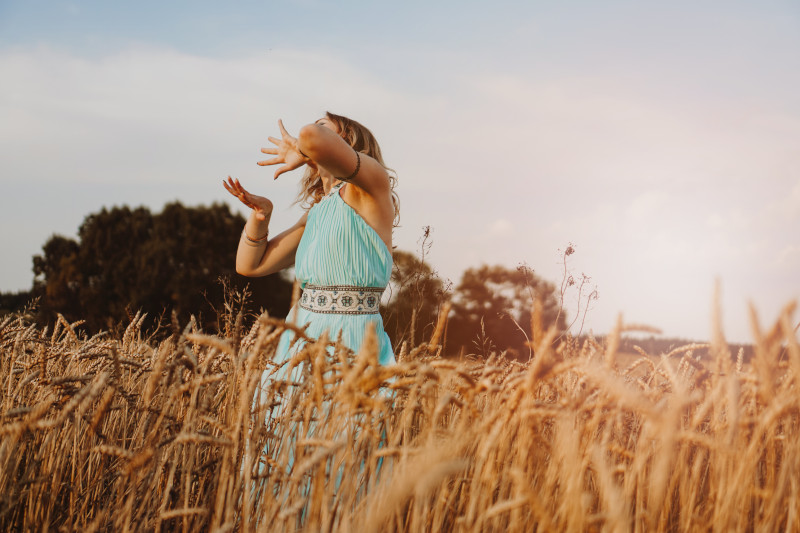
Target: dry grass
(102, 434)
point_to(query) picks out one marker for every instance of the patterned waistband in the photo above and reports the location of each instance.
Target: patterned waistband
(342, 299)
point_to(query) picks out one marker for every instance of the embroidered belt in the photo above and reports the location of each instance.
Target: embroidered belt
(342, 299)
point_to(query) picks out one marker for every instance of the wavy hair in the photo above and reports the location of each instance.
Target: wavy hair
(362, 140)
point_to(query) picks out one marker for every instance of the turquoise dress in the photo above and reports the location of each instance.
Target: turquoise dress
(338, 255)
(339, 249)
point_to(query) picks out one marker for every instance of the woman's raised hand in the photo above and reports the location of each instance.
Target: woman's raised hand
(262, 206)
(286, 153)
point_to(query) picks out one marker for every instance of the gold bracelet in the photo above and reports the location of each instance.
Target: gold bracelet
(254, 242)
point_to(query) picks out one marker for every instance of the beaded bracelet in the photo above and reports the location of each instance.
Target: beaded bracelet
(254, 242)
(358, 166)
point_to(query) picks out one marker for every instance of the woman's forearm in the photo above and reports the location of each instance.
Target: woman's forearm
(329, 150)
(264, 257)
(252, 244)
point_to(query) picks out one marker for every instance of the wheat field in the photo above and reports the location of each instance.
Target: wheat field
(129, 434)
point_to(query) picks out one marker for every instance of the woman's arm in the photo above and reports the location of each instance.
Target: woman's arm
(327, 149)
(263, 259)
(256, 255)
(320, 146)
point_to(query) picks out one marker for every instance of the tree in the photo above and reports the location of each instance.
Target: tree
(129, 259)
(417, 293)
(59, 267)
(492, 310)
(13, 302)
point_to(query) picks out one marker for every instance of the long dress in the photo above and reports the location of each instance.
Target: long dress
(342, 265)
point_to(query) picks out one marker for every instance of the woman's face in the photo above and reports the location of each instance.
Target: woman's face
(325, 122)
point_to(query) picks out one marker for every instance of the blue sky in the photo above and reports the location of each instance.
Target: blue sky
(662, 139)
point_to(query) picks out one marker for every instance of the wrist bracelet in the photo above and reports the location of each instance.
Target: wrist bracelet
(358, 166)
(254, 242)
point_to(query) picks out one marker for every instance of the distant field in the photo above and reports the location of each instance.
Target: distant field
(126, 434)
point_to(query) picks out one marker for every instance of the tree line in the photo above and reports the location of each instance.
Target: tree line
(180, 263)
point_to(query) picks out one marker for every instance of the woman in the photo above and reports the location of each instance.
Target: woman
(341, 247)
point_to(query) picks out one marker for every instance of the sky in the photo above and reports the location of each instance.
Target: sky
(660, 139)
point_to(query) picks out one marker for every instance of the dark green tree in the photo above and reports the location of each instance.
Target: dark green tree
(13, 302)
(492, 309)
(417, 294)
(59, 266)
(130, 259)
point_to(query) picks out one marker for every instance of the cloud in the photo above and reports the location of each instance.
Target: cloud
(787, 207)
(656, 194)
(155, 114)
(501, 227)
(789, 257)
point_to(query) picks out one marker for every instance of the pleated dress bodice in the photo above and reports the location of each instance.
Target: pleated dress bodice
(339, 248)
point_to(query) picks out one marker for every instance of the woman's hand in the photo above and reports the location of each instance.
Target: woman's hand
(261, 206)
(286, 153)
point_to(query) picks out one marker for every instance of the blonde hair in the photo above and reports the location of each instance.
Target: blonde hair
(362, 140)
